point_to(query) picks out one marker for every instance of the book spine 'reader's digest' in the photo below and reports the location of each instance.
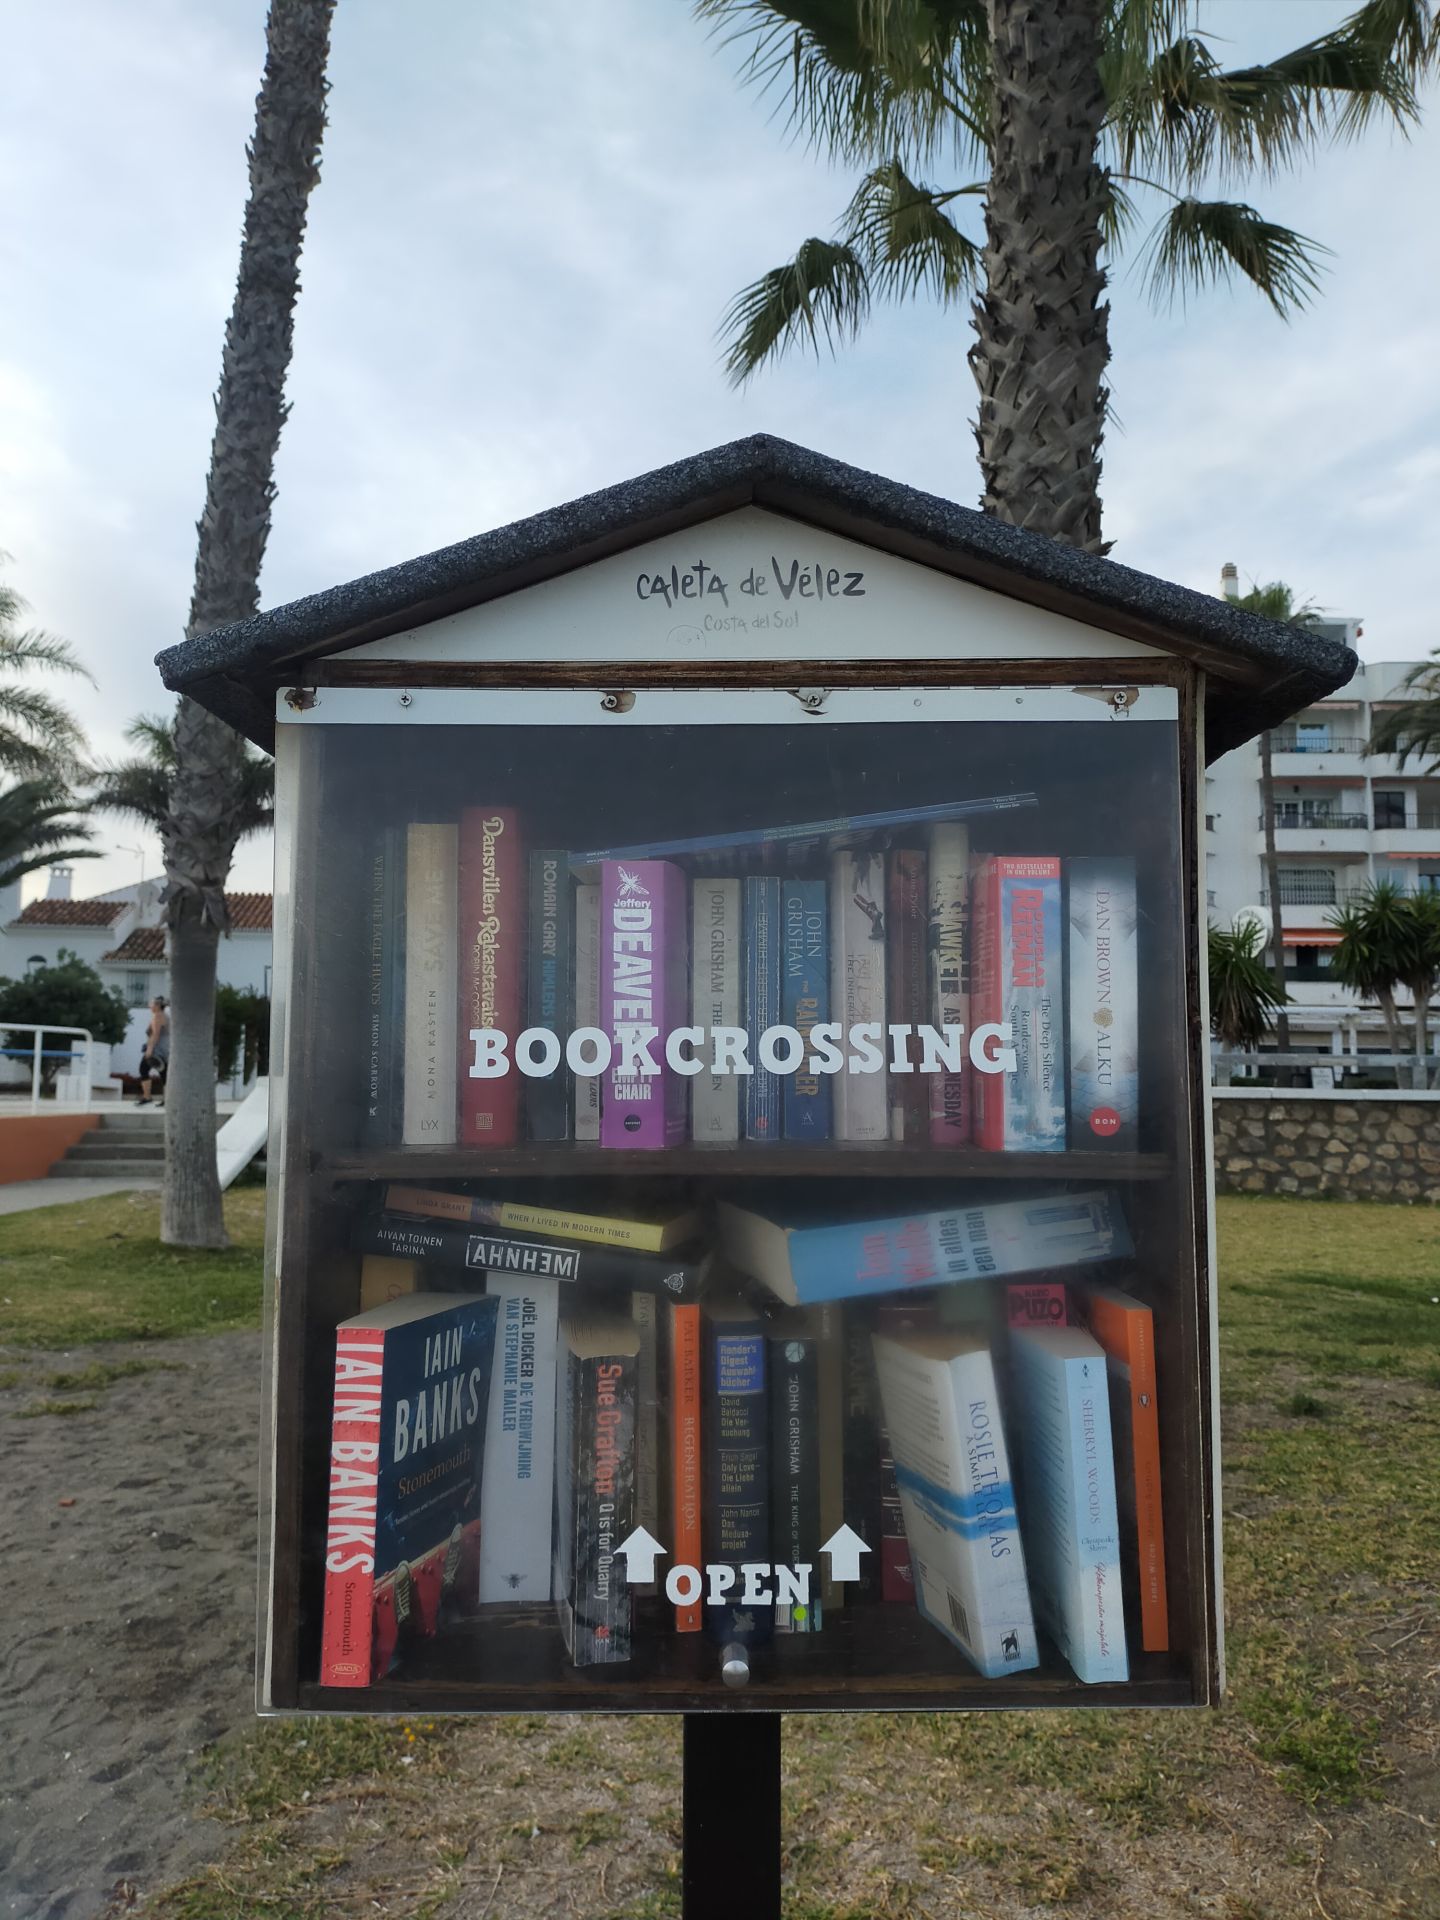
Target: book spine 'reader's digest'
(805, 993)
(547, 988)
(492, 936)
(763, 962)
(795, 1534)
(601, 1229)
(942, 1412)
(686, 1456)
(1104, 1003)
(1072, 1537)
(857, 993)
(644, 994)
(1017, 981)
(429, 1077)
(587, 1003)
(716, 944)
(595, 1486)
(736, 1424)
(383, 1093)
(412, 1390)
(1125, 1328)
(517, 1501)
(907, 986)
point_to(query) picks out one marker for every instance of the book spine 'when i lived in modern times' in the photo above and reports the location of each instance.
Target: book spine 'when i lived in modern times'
(761, 1098)
(805, 1001)
(949, 948)
(1104, 1003)
(907, 917)
(857, 993)
(1125, 1328)
(595, 1486)
(430, 1054)
(1017, 981)
(492, 933)
(795, 1535)
(737, 1463)
(716, 942)
(587, 1004)
(686, 1456)
(547, 988)
(383, 1091)
(644, 994)
(517, 1502)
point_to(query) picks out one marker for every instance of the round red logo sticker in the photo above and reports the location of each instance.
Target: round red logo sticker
(1105, 1121)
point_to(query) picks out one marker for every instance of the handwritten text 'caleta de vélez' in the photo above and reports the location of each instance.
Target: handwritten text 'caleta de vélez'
(781, 580)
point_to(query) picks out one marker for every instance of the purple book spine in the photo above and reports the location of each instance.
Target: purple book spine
(644, 993)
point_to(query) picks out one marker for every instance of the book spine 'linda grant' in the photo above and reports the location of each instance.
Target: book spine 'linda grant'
(1018, 982)
(348, 1623)
(598, 1229)
(587, 1004)
(805, 993)
(949, 953)
(686, 1468)
(429, 1097)
(547, 988)
(763, 972)
(1104, 1003)
(715, 933)
(857, 993)
(492, 932)
(644, 993)
(907, 986)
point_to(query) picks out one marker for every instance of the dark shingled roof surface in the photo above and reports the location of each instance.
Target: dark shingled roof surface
(1259, 672)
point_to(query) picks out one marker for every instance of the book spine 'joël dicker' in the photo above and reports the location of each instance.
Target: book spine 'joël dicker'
(763, 963)
(1104, 1002)
(1017, 982)
(430, 1056)
(715, 936)
(805, 995)
(547, 987)
(644, 994)
(492, 930)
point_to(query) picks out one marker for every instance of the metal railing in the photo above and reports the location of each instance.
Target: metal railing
(1319, 821)
(1333, 743)
(1412, 1072)
(1317, 893)
(10, 1027)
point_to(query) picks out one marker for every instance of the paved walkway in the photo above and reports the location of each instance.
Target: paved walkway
(19, 1196)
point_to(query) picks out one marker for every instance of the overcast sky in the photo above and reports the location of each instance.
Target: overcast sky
(529, 223)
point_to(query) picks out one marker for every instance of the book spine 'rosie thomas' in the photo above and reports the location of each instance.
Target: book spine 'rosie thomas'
(644, 994)
(491, 930)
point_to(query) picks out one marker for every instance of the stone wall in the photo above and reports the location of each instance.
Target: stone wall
(1371, 1146)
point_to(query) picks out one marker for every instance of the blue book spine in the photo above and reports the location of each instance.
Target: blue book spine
(1099, 1605)
(763, 941)
(736, 1525)
(806, 1001)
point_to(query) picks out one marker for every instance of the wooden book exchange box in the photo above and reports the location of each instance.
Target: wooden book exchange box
(741, 1228)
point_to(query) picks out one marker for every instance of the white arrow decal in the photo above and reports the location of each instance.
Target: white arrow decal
(844, 1548)
(640, 1550)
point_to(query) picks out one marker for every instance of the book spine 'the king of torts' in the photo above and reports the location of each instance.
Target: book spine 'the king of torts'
(429, 1104)
(547, 990)
(907, 986)
(492, 929)
(763, 933)
(806, 1002)
(949, 942)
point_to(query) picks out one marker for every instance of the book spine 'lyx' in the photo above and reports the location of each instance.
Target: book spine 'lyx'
(806, 1002)
(686, 1479)
(1104, 1003)
(587, 1004)
(348, 1624)
(715, 1001)
(644, 993)
(857, 993)
(492, 931)
(430, 1057)
(547, 991)
(763, 964)
(949, 943)
(907, 987)
(1018, 981)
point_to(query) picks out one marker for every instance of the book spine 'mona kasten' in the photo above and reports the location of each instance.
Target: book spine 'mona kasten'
(1104, 1003)
(644, 994)
(518, 1487)
(492, 935)
(595, 1496)
(857, 993)
(805, 1002)
(949, 1092)
(716, 942)
(737, 1469)
(761, 1097)
(587, 1004)
(547, 988)
(686, 1457)
(907, 988)
(383, 1091)
(430, 1054)
(1017, 983)
(795, 1536)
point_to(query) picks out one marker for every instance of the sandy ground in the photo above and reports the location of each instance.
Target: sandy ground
(129, 1556)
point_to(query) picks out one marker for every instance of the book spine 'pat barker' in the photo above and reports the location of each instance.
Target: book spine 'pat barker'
(547, 988)
(492, 929)
(715, 1002)
(429, 1104)
(644, 993)
(1104, 1003)
(857, 993)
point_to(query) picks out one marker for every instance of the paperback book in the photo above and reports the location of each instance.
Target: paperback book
(595, 1484)
(857, 993)
(736, 1427)
(491, 937)
(548, 988)
(587, 1004)
(383, 1091)
(907, 984)
(1125, 1328)
(1104, 1003)
(518, 1496)
(644, 994)
(428, 1118)
(805, 1002)
(1017, 983)
(949, 949)
(686, 1457)
(716, 943)
(763, 935)
(658, 1233)
(793, 1364)
(448, 1249)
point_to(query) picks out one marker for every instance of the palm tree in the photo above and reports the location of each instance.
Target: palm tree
(142, 787)
(38, 736)
(1413, 729)
(1421, 972)
(38, 827)
(210, 781)
(1373, 951)
(1067, 118)
(1243, 996)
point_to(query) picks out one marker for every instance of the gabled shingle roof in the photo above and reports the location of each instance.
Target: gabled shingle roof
(71, 913)
(144, 946)
(250, 912)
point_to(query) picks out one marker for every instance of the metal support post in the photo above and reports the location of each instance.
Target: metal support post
(730, 1816)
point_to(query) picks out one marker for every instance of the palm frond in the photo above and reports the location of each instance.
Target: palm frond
(1405, 32)
(906, 240)
(1412, 731)
(1118, 213)
(154, 736)
(1202, 241)
(822, 294)
(38, 828)
(35, 649)
(140, 788)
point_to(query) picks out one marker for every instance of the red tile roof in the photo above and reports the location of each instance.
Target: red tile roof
(144, 945)
(74, 913)
(249, 912)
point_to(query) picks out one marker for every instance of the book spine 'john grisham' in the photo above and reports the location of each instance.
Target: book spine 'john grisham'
(1017, 982)
(587, 1004)
(805, 994)
(949, 941)
(795, 1469)
(1104, 1003)
(907, 987)
(715, 1002)
(382, 1093)
(644, 994)
(857, 992)
(763, 972)
(547, 991)
(429, 1102)
(491, 932)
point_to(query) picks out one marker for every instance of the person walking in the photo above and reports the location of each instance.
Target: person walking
(155, 1061)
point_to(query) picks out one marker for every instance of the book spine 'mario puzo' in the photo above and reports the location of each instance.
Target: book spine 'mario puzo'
(805, 994)
(429, 1102)
(383, 1091)
(547, 991)
(715, 1001)
(949, 941)
(644, 993)
(492, 929)
(1017, 981)
(857, 993)
(587, 1003)
(763, 974)
(1104, 1003)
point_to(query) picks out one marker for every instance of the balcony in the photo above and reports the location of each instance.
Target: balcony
(1419, 836)
(1315, 757)
(1345, 835)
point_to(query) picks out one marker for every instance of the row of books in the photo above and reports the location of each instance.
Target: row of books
(918, 993)
(527, 1393)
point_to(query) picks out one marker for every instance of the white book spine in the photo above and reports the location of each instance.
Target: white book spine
(857, 993)
(518, 1477)
(1104, 1003)
(587, 1004)
(431, 967)
(715, 941)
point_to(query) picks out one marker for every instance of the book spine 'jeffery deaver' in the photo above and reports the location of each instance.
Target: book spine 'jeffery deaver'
(644, 994)
(491, 931)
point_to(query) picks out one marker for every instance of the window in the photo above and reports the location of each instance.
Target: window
(137, 989)
(1306, 887)
(1428, 880)
(1312, 736)
(1389, 809)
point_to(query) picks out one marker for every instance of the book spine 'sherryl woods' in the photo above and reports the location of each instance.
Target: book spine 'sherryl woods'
(644, 994)
(492, 932)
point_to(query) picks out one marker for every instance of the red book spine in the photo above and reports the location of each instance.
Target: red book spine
(492, 935)
(897, 1576)
(686, 1469)
(1036, 1303)
(907, 981)
(347, 1633)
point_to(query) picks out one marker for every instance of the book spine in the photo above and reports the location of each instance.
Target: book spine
(644, 991)
(518, 1474)
(433, 1203)
(429, 1085)
(587, 1004)
(347, 1631)
(1020, 965)
(763, 962)
(949, 956)
(715, 1002)
(447, 1248)
(1149, 1507)
(384, 1278)
(686, 1455)
(830, 1387)
(602, 1426)
(907, 988)
(1036, 1303)
(1102, 1654)
(547, 994)
(795, 1474)
(645, 1312)
(1004, 1625)
(1104, 1004)
(857, 994)
(897, 1576)
(861, 1453)
(492, 934)
(737, 1447)
(805, 1003)
(383, 1092)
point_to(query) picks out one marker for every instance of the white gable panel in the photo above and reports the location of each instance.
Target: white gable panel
(753, 585)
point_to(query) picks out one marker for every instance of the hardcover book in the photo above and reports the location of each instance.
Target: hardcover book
(644, 993)
(1072, 1539)
(857, 993)
(661, 1233)
(949, 943)
(1036, 1303)
(383, 1091)
(402, 1544)
(716, 944)
(447, 1249)
(1104, 1003)
(1125, 1328)
(793, 1363)
(547, 988)
(492, 934)
(429, 1074)
(736, 1425)
(805, 1001)
(587, 1004)
(895, 1317)
(384, 1278)
(942, 1412)
(518, 1487)
(1017, 982)
(907, 986)
(861, 1447)
(686, 1457)
(595, 1484)
(761, 1098)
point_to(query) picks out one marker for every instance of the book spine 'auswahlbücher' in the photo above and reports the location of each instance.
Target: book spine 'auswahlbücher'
(1104, 1003)
(715, 933)
(805, 998)
(1017, 982)
(644, 993)
(763, 973)
(951, 1103)
(857, 993)
(492, 932)
(547, 988)
(430, 1057)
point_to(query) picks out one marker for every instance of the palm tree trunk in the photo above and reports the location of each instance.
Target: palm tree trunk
(250, 409)
(1042, 345)
(1422, 1038)
(1272, 888)
(1391, 1013)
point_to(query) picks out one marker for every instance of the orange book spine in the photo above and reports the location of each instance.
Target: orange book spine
(686, 1457)
(1149, 1520)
